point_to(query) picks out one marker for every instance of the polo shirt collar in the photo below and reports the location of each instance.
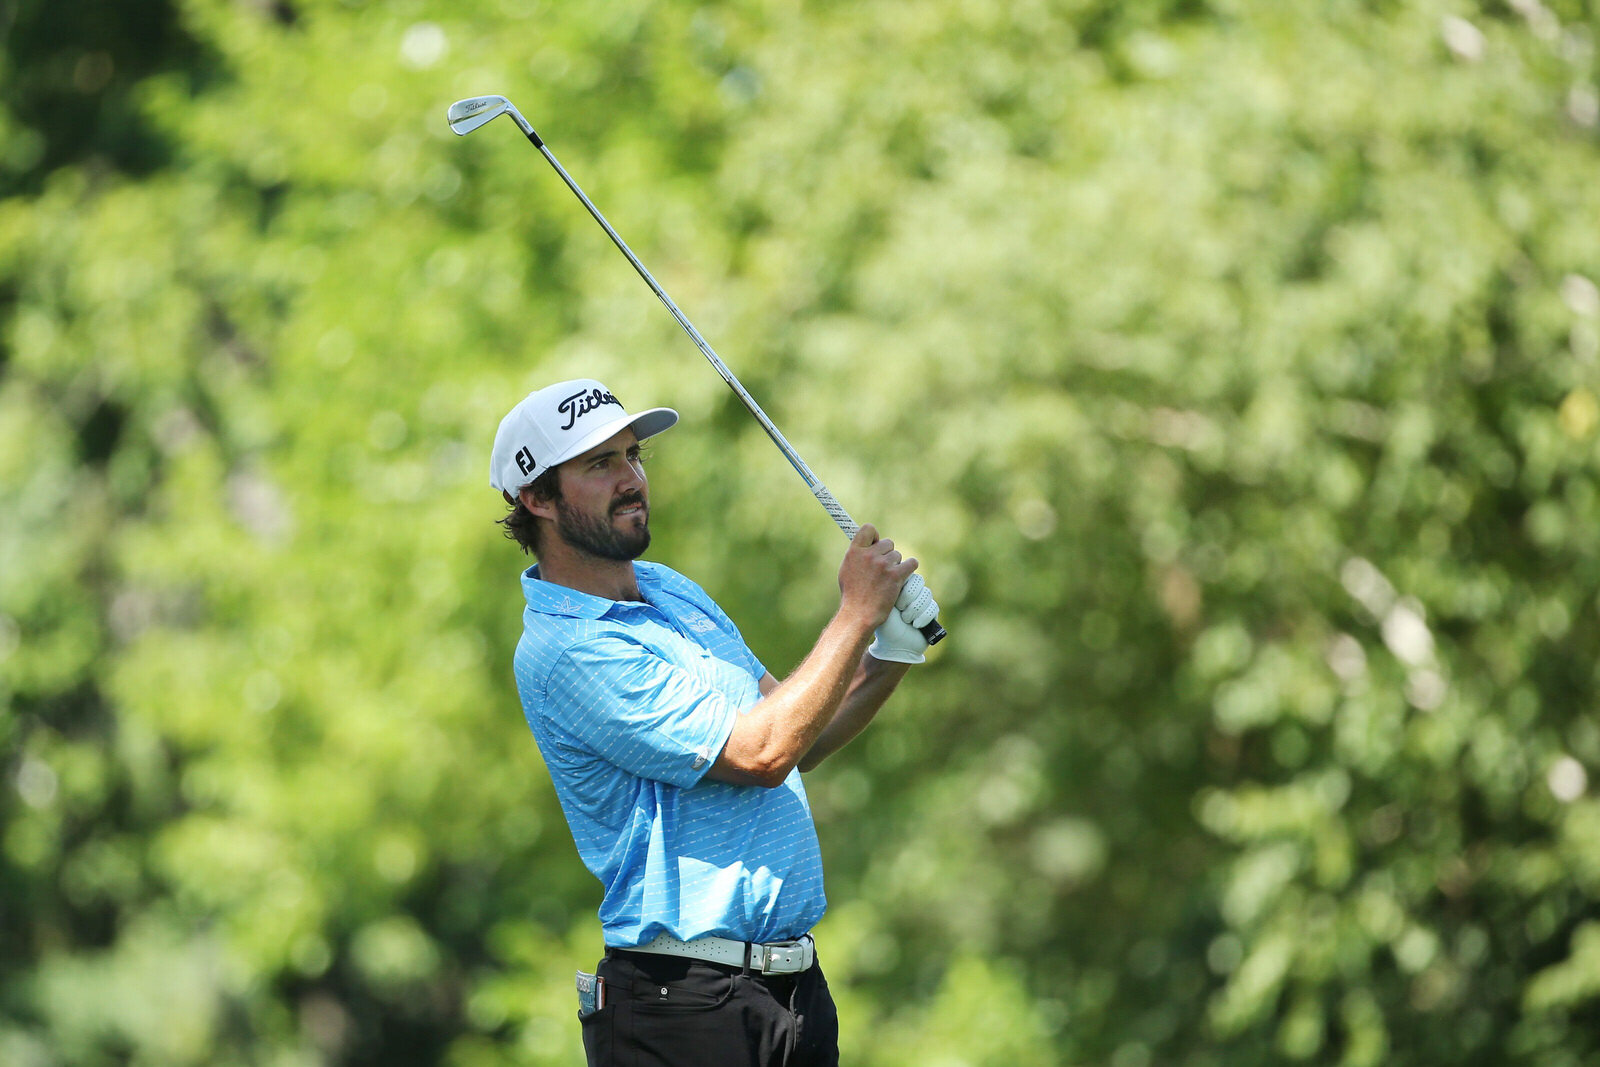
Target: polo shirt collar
(548, 598)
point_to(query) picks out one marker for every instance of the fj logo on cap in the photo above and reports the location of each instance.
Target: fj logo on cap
(525, 462)
(583, 402)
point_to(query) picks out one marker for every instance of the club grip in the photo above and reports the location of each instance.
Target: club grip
(915, 598)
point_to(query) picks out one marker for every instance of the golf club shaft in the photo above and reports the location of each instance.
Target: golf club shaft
(932, 631)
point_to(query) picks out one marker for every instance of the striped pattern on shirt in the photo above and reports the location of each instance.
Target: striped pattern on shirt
(630, 704)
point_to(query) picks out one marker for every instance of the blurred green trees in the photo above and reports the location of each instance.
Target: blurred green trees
(1232, 367)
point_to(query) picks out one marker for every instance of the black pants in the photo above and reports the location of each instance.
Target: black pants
(667, 1011)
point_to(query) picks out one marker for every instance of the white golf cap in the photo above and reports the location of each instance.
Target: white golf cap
(553, 424)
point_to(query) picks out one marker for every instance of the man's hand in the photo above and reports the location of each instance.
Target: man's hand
(769, 740)
(871, 577)
(899, 639)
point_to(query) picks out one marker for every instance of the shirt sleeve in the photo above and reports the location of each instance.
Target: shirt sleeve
(751, 662)
(639, 712)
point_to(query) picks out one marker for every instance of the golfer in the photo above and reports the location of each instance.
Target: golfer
(675, 754)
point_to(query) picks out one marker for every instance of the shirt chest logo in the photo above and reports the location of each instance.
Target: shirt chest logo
(699, 623)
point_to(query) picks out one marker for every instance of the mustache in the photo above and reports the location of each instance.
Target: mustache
(626, 500)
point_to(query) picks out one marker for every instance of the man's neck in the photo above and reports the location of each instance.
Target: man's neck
(608, 578)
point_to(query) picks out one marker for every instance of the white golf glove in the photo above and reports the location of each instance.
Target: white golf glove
(899, 639)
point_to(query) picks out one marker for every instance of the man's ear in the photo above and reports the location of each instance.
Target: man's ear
(544, 509)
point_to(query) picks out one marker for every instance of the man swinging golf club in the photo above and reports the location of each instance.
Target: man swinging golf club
(675, 754)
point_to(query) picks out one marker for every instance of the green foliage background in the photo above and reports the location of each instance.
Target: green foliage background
(1231, 364)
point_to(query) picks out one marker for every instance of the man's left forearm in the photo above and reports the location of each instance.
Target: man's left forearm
(874, 680)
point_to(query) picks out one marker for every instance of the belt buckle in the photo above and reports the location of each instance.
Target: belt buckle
(761, 958)
(778, 957)
(785, 957)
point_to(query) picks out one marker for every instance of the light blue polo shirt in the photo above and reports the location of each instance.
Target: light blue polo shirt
(631, 704)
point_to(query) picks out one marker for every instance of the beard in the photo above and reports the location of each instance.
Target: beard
(597, 536)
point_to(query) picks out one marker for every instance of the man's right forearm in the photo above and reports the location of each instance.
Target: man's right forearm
(769, 740)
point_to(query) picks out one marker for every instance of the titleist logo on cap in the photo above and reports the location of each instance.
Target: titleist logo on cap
(552, 425)
(584, 401)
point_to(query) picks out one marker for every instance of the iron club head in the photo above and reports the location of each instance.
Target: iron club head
(467, 115)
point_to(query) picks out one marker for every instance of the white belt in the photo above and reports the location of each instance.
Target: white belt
(778, 957)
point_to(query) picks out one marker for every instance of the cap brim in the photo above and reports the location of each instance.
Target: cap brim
(645, 424)
(649, 423)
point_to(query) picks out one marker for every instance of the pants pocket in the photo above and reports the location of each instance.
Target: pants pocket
(599, 1042)
(696, 991)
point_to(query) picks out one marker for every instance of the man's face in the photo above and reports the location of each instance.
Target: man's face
(604, 508)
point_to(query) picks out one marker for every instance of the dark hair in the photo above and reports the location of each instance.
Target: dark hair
(522, 526)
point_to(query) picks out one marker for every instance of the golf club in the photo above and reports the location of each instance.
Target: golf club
(467, 115)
